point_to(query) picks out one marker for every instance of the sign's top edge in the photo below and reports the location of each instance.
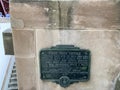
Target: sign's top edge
(65, 48)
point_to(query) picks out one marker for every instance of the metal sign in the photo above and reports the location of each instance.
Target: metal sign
(65, 64)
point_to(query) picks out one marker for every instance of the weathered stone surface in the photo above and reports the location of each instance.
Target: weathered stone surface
(104, 46)
(96, 15)
(105, 49)
(26, 73)
(31, 21)
(53, 14)
(17, 23)
(28, 15)
(24, 43)
(66, 15)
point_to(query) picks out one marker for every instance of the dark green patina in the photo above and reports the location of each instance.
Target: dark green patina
(65, 64)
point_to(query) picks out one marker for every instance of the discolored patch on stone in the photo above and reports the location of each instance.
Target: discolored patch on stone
(33, 88)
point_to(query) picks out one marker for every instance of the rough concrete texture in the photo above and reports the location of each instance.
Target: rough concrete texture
(66, 15)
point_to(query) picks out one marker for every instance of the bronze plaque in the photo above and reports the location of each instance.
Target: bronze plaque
(65, 64)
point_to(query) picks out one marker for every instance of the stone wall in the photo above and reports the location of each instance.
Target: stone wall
(66, 15)
(88, 25)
